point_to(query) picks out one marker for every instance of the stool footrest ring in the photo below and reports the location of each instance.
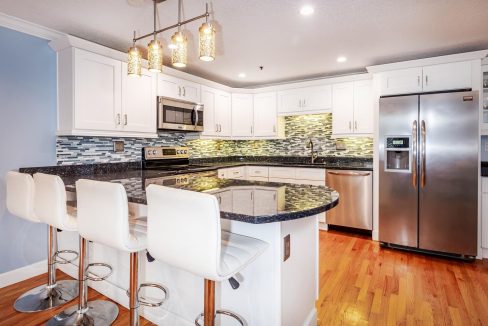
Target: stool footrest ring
(143, 301)
(62, 260)
(240, 319)
(96, 277)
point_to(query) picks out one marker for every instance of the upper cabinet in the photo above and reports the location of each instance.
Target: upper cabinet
(439, 77)
(242, 115)
(169, 86)
(265, 115)
(96, 97)
(217, 112)
(352, 108)
(316, 99)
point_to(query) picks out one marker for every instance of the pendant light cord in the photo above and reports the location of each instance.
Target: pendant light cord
(154, 19)
(179, 15)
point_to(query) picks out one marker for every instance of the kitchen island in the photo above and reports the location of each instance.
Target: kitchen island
(279, 288)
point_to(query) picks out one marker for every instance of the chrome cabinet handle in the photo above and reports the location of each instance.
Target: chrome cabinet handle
(349, 173)
(304, 103)
(299, 103)
(251, 130)
(418, 80)
(414, 153)
(125, 119)
(184, 91)
(179, 90)
(426, 80)
(350, 125)
(422, 153)
(118, 119)
(355, 125)
(216, 127)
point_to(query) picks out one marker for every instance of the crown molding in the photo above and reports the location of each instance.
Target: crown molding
(26, 27)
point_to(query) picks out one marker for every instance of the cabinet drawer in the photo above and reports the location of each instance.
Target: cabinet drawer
(282, 173)
(257, 171)
(235, 173)
(257, 178)
(310, 174)
(484, 185)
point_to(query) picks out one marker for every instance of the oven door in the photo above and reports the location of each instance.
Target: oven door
(179, 115)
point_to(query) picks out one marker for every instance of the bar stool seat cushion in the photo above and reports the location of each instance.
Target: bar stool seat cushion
(237, 252)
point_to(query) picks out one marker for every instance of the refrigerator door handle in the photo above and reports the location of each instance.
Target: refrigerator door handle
(414, 153)
(422, 153)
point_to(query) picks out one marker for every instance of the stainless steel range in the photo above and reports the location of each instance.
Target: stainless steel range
(173, 159)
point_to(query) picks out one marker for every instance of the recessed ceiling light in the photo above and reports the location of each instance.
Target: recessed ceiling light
(306, 10)
(242, 75)
(341, 59)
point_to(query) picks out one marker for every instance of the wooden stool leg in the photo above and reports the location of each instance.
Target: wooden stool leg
(209, 303)
(133, 288)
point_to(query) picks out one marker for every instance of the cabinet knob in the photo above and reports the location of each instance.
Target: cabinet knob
(184, 91)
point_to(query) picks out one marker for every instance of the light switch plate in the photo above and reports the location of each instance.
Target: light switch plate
(118, 146)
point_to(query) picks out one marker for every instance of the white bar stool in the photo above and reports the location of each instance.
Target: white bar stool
(183, 230)
(103, 217)
(26, 201)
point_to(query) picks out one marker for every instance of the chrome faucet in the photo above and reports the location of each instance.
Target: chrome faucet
(313, 154)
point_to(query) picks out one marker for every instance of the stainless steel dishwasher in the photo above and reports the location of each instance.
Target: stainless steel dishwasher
(355, 208)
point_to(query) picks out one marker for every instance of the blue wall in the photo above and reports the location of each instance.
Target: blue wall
(27, 135)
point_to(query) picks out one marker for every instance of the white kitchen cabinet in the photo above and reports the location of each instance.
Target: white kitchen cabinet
(97, 91)
(402, 81)
(282, 172)
(363, 107)
(316, 99)
(97, 98)
(243, 201)
(455, 75)
(441, 77)
(225, 200)
(139, 102)
(217, 112)
(352, 108)
(342, 108)
(173, 87)
(242, 115)
(265, 202)
(257, 171)
(232, 173)
(265, 114)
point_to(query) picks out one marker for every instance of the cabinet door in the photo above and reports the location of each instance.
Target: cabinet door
(290, 101)
(447, 76)
(190, 91)
(223, 114)
(210, 127)
(342, 108)
(317, 98)
(242, 201)
(401, 81)
(97, 90)
(363, 107)
(225, 200)
(242, 115)
(139, 101)
(265, 114)
(265, 202)
(168, 86)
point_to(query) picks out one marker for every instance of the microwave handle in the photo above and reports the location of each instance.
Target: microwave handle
(196, 117)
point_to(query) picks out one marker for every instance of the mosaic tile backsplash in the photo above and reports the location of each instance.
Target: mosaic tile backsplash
(298, 129)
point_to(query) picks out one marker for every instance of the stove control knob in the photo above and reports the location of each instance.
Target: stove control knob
(186, 151)
(154, 152)
(148, 153)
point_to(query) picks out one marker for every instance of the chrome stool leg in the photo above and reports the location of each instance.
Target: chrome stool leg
(54, 293)
(209, 308)
(98, 312)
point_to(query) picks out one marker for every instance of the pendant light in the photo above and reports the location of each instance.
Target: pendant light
(155, 51)
(179, 45)
(134, 62)
(206, 41)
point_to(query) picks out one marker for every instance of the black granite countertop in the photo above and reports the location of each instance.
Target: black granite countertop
(293, 200)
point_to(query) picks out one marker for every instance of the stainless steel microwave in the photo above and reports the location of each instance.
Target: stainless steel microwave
(179, 115)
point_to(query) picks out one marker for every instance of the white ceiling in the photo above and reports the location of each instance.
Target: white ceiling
(272, 33)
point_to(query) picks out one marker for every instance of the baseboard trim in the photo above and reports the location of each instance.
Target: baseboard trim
(23, 273)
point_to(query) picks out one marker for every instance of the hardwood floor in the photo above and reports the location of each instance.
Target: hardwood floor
(360, 284)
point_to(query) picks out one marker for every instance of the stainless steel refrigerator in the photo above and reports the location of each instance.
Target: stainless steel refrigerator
(428, 173)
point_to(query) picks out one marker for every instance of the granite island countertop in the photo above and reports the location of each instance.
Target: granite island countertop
(296, 201)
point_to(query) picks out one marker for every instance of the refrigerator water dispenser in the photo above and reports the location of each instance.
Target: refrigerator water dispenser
(397, 154)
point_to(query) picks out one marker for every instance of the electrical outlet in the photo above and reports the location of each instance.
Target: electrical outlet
(340, 145)
(118, 146)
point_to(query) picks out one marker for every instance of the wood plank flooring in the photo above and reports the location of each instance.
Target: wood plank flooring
(360, 284)
(363, 284)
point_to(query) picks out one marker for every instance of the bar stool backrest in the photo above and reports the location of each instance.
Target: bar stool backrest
(20, 195)
(183, 230)
(50, 200)
(103, 213)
